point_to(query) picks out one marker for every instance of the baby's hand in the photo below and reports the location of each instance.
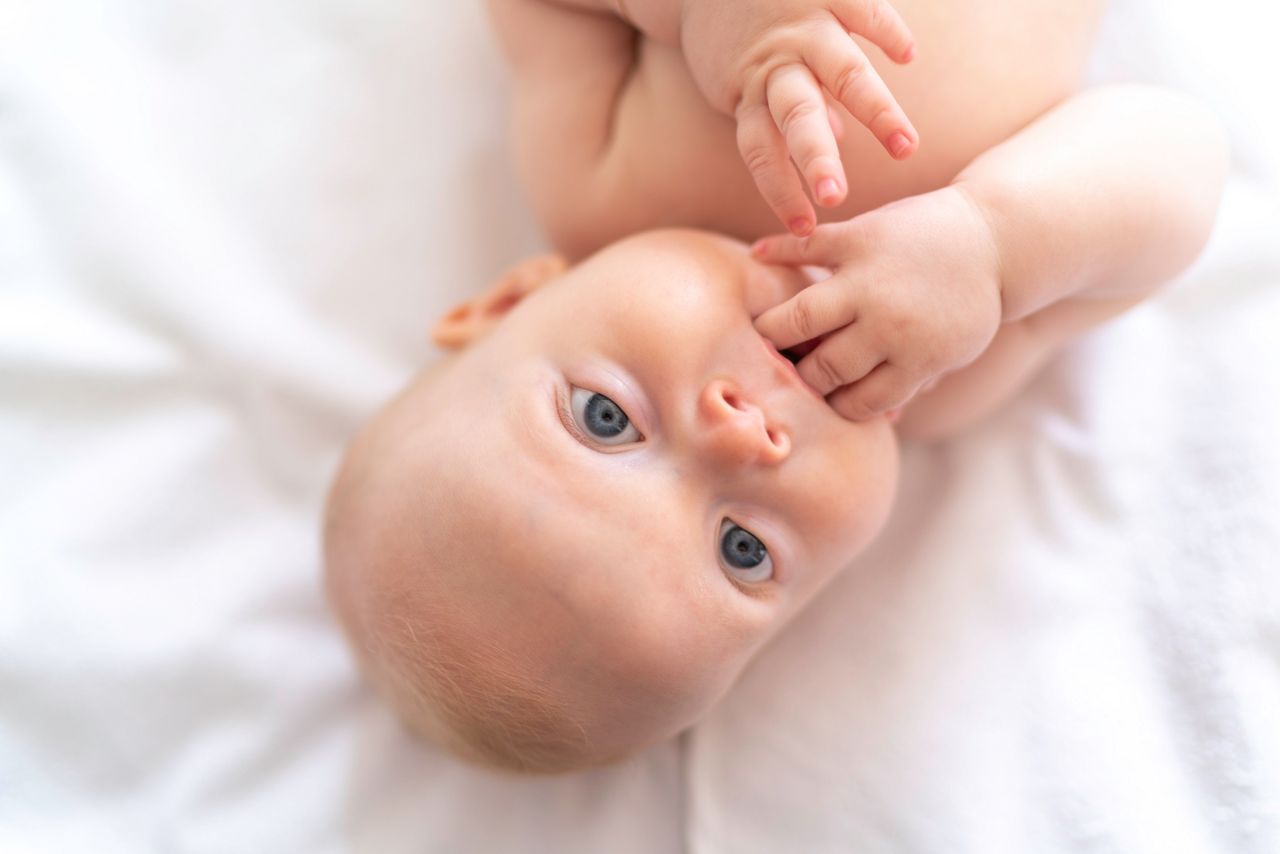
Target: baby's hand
(914, 293)
(768, 63)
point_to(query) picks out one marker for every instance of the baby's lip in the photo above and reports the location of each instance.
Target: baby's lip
(804, 348)
(787, 369)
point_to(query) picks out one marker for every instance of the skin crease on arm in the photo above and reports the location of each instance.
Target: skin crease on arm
(1091, 208)
(1104, 197)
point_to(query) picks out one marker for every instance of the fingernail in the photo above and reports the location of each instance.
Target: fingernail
(759, 247)
(909, 54)
(898, 143)
(800, 225)
(828, 191)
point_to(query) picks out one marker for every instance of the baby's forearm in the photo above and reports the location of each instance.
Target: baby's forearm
(1107, 195)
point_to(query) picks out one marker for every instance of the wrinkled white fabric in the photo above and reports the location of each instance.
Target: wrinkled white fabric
(224, 228)
(1068, 640)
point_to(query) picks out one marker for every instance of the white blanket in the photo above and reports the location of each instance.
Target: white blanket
(224, 228)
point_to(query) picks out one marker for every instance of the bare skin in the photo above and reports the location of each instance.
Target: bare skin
(459, 512)
(634, 144)
(723, 487)
(1039, 211)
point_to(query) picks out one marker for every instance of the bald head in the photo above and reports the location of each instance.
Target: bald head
(537, 590)
(455, 607)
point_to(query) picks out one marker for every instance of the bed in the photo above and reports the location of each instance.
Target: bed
(224, 230)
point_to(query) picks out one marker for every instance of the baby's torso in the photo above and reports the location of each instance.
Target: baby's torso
(983, 71)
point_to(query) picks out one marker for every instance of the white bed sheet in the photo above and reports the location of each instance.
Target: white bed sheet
(223, 230)
(1069, 637)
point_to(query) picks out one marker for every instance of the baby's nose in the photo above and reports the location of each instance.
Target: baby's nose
(735, 431)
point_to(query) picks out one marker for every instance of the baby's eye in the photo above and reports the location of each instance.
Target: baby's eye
(743, 554)
(601, 418)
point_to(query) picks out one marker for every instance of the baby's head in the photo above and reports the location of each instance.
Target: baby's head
(564, 541)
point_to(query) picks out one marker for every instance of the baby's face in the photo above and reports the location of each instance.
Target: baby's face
(644, 488)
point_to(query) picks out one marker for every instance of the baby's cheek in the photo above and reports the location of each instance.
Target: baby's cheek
(830, 484)
(849, 496)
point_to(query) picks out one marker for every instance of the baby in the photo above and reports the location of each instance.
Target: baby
(566, 539)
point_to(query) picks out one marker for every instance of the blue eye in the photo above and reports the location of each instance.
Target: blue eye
(602, 419)
(742, 553)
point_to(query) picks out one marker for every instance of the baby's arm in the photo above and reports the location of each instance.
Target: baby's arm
(770, 64)
(568, 68)
(1105, 197)
(1086, 230)
(1077, 217)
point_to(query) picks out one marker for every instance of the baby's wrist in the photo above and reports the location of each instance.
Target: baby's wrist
(988, 239)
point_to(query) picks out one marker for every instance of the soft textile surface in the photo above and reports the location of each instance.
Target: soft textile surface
(223, 230)
(1069, 637)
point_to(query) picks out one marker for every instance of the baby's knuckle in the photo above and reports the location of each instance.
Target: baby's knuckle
(802, 319)
(885, 109)
(826, 370)
(901, 324)
(798, 114)
(874, 15)
(850, 78)
(878, 400)
(758, 158)
(855, 407)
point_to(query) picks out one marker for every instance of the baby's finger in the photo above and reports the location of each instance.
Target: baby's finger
(837, 123)
(829, 245)
(842, 67)
(841, 359)
(800, 111)
(764, 152)
(887, 387)
(818, 309)
(879, 23)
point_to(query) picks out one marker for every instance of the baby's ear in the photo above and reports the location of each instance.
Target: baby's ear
(468, 320)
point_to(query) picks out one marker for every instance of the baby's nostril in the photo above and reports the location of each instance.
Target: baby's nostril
(780, 441)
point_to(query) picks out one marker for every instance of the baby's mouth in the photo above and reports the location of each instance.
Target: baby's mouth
(799, 351)
(792, 355)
